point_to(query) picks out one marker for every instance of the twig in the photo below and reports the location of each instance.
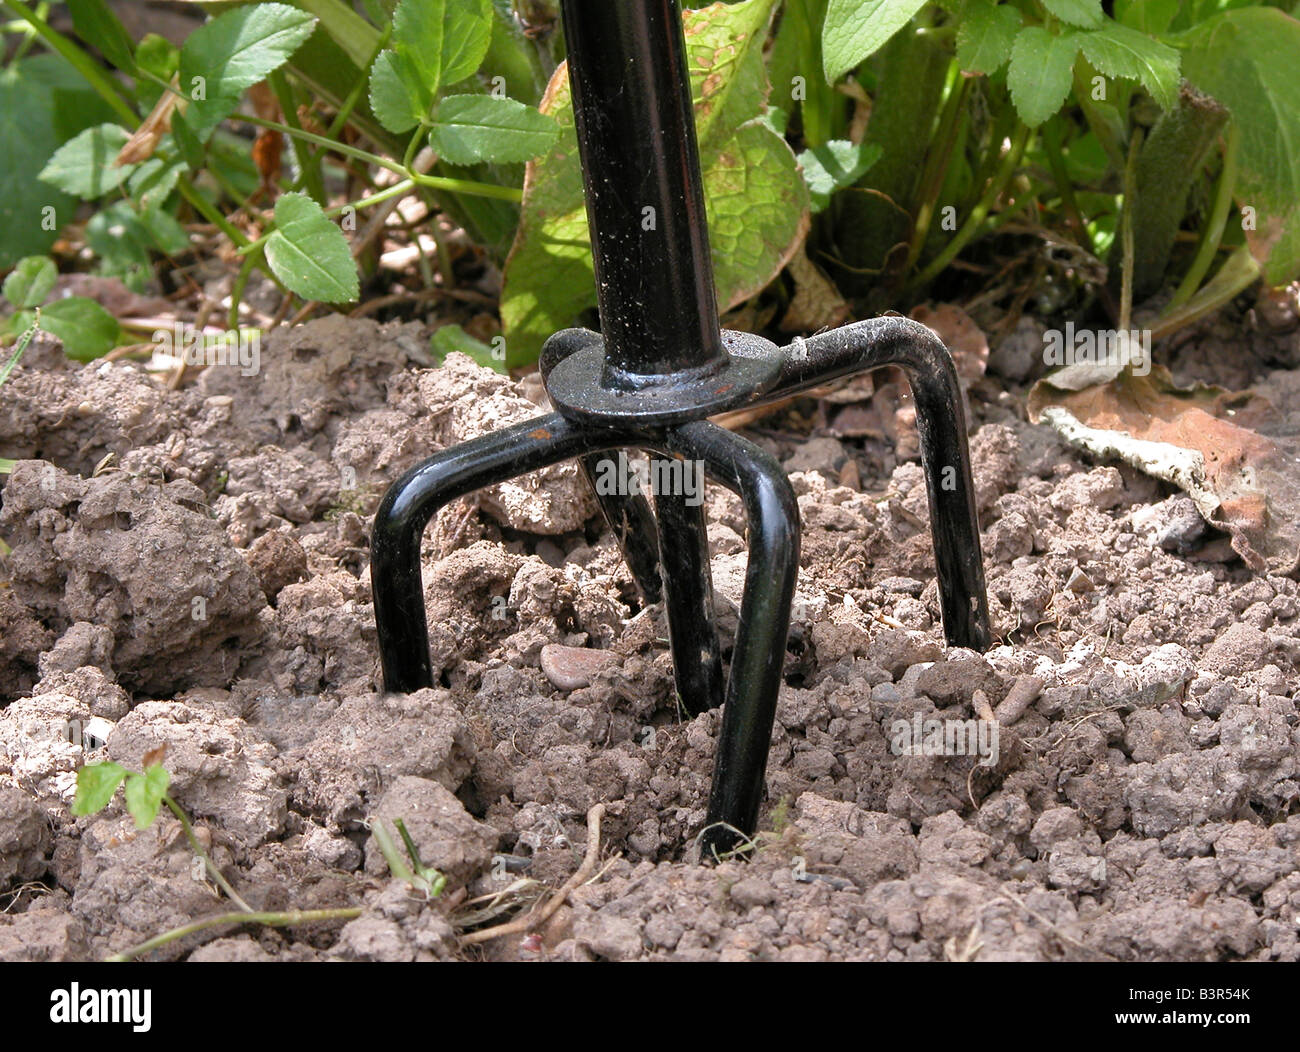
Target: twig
(537, 916)
(1023, 693)
(274, 919)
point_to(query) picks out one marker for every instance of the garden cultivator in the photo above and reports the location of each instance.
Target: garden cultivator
(660, 367)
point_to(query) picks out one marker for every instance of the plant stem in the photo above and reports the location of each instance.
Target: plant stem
(201, 205)
(308, 164)
(435, 182)
(224, 884)
(1239, 271)
(936, 164)
(399, 189)
(1064, 184)
(1212, 235)
(277, 920)
(1010, 162)
(1126, 229)
(358, 89)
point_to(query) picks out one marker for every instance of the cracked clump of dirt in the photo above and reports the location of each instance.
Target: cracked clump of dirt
(209, 589)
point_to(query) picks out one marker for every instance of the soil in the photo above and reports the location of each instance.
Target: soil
(191, 568)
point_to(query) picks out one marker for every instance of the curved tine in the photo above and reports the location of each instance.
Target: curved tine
(759, 656)
(395, 578)
(941, 420)
(688, 600)
(628, 515)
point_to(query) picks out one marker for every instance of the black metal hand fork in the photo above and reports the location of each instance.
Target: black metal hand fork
(660, 368)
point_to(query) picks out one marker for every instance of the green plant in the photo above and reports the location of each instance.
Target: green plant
(986, 111)
(145, 794)
(86, 329)
(887, 138)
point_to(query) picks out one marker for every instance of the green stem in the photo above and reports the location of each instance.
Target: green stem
(277, 920)
(201, 205)
(224, 884)
(1010, 162)
(308, 164)
(251, 262)
(1064, 184)
(435, 182)
(1126, 230)
(82, 62)
(400, 189)
(1239, 271)
(358, 89)
(936, 164)
(1212, 235)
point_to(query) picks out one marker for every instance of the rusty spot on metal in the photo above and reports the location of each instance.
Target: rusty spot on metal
(540, 433)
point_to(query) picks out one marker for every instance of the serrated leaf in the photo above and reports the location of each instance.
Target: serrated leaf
(1086, 14)
(757, 203)
(1119, 51)
(84, 165)
(31, 280)
(986, 35)
(856, 29)
(398, 96)
(833, 166)
(144, 793)
(309, 253)
(443, 40)
(96, 784)
(468, 129)
(1247, 60)
(153, 181)
(231, 53)
(1041, 71)
(86, 329)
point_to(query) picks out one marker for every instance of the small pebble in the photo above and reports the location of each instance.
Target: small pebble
(572, 667)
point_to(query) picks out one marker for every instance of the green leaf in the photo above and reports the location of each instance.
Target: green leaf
(1119, 51)
(122, 244)
(1083, 13)
(100, 28)
(1042, 68)
(153, 181)
(44, 102)
(856, 29)
(31, 280)
(986, 35)
(472, 128)
(187, 140)
(833, 166)
(1247, 60)
(1147, 16)
(231, 53)
(309, 253)
(86, 329)
(84, 166)
(96, 784)
(443, 40)
(157, 56)
(453, 338)
(398, 97)
(144, 793)
(757, 202)
(164, 230)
